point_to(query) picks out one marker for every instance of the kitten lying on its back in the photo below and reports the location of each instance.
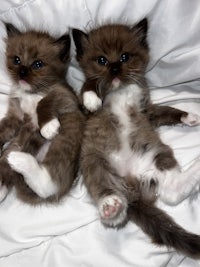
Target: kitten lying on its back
(124, 163)
(41, 168)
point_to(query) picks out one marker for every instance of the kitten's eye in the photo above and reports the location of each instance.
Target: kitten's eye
(124, 57)
(37, 64)
(102, 60)
(16, 60)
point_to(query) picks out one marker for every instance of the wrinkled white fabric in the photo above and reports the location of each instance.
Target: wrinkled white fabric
(70, 234)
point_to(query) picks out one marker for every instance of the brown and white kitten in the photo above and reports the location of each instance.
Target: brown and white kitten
(124, 163)
(43, 166)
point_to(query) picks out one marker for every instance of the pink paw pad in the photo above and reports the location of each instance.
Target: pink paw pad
(110, 207)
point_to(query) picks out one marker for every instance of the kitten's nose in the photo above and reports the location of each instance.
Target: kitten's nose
(115, 69)
(23, 72)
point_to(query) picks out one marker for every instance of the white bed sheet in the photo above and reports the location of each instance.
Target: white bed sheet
(70, 233)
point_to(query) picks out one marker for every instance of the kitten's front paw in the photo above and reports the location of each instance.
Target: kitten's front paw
(112, 210)
(50, 129)
(91, 101)
(191, 119)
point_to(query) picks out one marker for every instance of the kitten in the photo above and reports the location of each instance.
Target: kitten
(124, 163)
(43, 123)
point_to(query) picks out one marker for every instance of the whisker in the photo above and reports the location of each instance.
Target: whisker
(136, 78)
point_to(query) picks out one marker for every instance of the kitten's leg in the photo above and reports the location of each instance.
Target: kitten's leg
(11, 123)
(50, 129)
(35, 175)
(175, 185)
(90, 100)
(8, 128)
(106, 190)
(7, 177)
(191, 119)
(165, 115)
(126, 190)
(47, 120)
(28, 140)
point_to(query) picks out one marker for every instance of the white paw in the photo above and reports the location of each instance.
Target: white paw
(112, 210)
(191, 119)
(91, 101)
(172, 198)
(18, 161)
(3, 192)
(50, 129)
(36, 177)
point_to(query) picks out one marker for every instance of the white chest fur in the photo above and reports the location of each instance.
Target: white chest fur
(120, 102)
(124, 97)
(127, 161)
(28, 103)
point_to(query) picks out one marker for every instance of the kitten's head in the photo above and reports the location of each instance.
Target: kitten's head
(113, 54)
(35, 60)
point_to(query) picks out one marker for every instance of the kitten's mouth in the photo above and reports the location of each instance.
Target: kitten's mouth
(24, 86)
(116, 82)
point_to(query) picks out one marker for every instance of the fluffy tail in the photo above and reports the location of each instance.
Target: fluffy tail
(163, 230)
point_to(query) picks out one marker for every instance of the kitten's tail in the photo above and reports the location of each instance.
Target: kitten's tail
(163, 230)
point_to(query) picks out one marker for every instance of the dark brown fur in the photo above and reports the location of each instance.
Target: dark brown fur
(102, 128)
(59, 101)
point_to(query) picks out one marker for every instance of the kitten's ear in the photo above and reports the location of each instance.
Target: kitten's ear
(142, 28)
(64, 42)
(11, 30)
(79, 39)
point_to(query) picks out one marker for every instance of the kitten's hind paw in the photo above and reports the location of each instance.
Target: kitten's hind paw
(91, 101)
(191, 119)
(112, 210)
(50, 129)
(17, 161)
(36, 176)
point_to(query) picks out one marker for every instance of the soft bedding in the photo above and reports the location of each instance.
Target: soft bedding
(70, 234)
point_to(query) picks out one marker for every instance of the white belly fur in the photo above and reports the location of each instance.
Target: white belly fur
(126, 161)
